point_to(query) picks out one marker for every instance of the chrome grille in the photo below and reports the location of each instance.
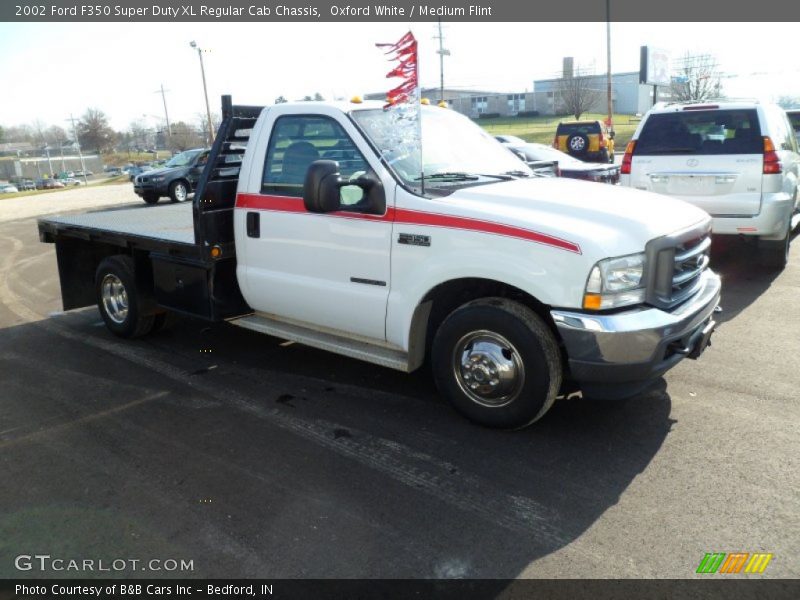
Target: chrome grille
(675, 264)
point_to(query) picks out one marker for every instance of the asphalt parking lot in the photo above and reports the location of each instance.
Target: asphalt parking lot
(253, 458)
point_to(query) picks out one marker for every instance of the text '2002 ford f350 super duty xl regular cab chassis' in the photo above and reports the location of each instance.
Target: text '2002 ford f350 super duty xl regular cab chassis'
(310, 226)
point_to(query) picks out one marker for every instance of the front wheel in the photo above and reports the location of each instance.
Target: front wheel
(178, 191)
(120, 302)
(497, 363)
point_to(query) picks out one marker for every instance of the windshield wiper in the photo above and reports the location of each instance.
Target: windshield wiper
(463, 176)
(517, 173)
(449, 176)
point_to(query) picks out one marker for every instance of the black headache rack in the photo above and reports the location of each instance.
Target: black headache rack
(207, 286)
(191, 272)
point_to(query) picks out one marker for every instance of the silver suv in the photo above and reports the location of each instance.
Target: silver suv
(738, 161)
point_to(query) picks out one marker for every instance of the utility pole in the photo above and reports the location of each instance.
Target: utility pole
(442, 52)
(78, 146)
(193, 44)
(162, 91)
(608, 61)
(49, 162)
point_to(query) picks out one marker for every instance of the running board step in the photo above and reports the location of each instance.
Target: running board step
(379, 355)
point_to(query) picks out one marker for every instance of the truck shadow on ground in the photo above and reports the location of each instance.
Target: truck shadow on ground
(539, 488)
(322, 437)
(744, 280)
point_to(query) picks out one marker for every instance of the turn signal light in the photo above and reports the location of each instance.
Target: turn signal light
(592, 301)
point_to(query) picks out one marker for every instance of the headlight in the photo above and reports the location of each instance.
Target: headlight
(158, 179)
(615, 282)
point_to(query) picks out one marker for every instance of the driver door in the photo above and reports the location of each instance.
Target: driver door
(329, 270)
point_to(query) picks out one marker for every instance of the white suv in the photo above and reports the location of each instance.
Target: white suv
(738, 161)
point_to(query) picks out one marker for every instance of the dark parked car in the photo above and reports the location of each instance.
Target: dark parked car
(134, 171)
(48, 184)
(567, 165)
(23, 184)
(177, 179)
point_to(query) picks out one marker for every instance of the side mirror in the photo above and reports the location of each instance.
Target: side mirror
(321, 186)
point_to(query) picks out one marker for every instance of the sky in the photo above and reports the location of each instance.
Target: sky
(51, 70)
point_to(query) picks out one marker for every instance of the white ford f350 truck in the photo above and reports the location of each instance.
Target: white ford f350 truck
(311, 225)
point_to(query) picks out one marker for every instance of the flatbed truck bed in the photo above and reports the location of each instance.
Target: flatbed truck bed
(184, 254)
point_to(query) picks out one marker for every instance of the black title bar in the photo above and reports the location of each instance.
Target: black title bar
(404, 589)
(396, 10)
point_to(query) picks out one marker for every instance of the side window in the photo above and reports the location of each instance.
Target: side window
(298, 141)
(790, 142)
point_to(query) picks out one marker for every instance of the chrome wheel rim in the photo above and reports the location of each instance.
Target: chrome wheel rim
(577, 144)
(115, 298)
(488, 368)
(180, 192)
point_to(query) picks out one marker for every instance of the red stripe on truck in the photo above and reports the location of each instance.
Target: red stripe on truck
(411, 217)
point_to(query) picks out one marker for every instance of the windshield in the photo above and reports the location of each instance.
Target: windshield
(452, 146)
(182, 159)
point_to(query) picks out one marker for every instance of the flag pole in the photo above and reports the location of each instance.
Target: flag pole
(419, 123)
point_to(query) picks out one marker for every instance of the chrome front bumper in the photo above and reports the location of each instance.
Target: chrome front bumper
(627, 349)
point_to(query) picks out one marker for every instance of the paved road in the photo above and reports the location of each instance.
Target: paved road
(252, 457)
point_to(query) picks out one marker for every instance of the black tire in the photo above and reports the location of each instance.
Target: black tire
(497, 332)
(119, 299)
(178, 191)
(774, 254)
(150, 199)
(162, 321)
(577, 144)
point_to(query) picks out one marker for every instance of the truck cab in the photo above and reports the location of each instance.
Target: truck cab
(318, 223)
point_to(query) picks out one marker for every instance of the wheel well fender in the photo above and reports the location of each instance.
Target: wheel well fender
(445, 297)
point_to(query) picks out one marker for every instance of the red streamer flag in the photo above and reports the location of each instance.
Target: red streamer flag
(405, 52)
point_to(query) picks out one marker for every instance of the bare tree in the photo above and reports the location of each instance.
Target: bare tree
(139, 134)
(94, 132)
(697, 78)
(202, 120)
(280, 100)
(19, 133)
(184, 137)
(578, 94)
(38, 129)
(56, 136)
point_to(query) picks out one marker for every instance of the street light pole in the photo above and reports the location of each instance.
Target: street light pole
(193, 44)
